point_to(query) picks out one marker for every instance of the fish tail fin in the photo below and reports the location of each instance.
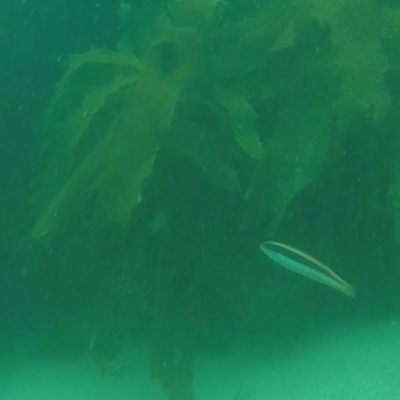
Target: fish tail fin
(349, 290)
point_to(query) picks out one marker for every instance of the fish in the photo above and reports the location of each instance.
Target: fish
(303, 264)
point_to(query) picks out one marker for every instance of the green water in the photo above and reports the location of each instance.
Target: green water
(149, 147)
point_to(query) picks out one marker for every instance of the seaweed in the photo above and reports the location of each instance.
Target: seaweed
(253, 100)
(358, 55)
(112, 110)
(108, 140)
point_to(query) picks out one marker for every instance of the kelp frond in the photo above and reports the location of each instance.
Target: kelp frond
(110, 109)
(197, 13)
(107, 133)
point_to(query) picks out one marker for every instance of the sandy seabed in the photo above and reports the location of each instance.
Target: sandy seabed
(352, 363)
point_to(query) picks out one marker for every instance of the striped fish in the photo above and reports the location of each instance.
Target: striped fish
(297, 261)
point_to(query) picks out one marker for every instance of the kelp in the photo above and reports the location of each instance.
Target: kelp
(137, 108)
(253, 96)
(172, 358)
(193, 13)
(241, 43)
(357, 53)
(204, 151)
(243, 118)
(294, 157)
(104, 133)
(112, 110)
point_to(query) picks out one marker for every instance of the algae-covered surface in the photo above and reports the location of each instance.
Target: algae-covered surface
(148, 148)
